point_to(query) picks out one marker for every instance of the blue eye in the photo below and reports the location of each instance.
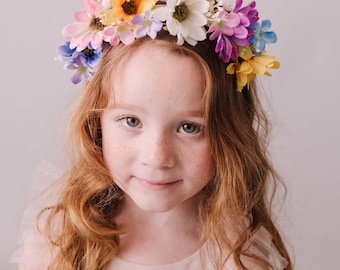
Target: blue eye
(130, 122)
(191, 128)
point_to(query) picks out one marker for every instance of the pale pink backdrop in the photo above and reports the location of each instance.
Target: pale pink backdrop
(36, 94)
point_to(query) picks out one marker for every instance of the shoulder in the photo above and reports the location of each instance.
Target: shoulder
(261, 245)
(257, 250)
(35, 251)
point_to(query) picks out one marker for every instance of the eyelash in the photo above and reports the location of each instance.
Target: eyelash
(125, 123)
(197, 128)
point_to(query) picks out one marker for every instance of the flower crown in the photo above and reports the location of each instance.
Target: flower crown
(240, 38)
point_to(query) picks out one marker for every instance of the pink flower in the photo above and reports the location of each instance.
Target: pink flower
(88, 29)
(249, 15)
(122, 32)
(225, 24)
(224, 30)
(250, 11)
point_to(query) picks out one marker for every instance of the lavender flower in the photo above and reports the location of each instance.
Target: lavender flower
(148, 25)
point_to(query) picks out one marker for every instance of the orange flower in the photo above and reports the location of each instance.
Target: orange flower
(125, 10)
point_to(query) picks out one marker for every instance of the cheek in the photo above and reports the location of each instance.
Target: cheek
(209, 166)
(116, 159)
(202, 162)
(113, 151)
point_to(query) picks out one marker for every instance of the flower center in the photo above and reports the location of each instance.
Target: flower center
(96, 24)
(88, 52)
(148, 23)
(82, 69)
(129, 7)
(181, 12)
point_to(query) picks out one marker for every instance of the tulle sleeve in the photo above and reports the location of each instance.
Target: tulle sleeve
(261, 245)
(34, 254)
(34, 251)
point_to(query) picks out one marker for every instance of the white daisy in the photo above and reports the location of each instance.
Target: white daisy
(185, 19)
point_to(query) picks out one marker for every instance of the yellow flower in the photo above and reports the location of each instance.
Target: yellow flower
(262, 62)
(125, 10)
(250, 65)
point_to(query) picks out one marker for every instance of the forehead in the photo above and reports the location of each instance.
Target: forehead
(159, 68)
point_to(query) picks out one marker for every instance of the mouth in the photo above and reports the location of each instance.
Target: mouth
(157, 185)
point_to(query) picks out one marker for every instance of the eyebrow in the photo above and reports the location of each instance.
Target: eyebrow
(191, 113)
(195, 113)
(124, 106)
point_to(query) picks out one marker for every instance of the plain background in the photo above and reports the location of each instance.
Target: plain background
(36, 95)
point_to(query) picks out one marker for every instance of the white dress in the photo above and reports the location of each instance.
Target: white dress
(200, 259)
(35, 254)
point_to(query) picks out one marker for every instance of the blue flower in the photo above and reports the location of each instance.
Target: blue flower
(65, 53)
(84, 62)
(92, 56)
(261, 36)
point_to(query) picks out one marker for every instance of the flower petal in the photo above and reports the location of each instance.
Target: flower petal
(161, 13)
(141, 32)
(245, 68)
(72, 30)
(76, 78)
(197, 18)
(233, 19)
(96, 40)
(242, 80)
(265, 25)
(84, 42)
(138, 20)
(81, 17)
(258, 68)
(231, 68)
(126, 36)
(240, 32)
(90, 6)
(261, 45)
(270, 37)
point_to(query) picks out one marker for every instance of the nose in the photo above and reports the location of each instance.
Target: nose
(158, 151)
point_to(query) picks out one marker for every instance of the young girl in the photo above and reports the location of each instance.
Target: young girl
(169, 167)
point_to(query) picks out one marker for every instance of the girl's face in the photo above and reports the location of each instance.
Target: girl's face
(154, 140)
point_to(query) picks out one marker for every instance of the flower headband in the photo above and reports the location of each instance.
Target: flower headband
(240, 38)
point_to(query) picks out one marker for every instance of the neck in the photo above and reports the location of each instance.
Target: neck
(158, 238)
(131, 215)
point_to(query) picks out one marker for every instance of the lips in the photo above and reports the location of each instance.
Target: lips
(157, 185)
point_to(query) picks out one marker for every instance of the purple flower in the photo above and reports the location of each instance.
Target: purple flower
(226, 48)
(248, 15)
(232, 28)
(241, 32)
(148, 25)
(249, 11)
(223, 30)
(79, 64)
(261, 36)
